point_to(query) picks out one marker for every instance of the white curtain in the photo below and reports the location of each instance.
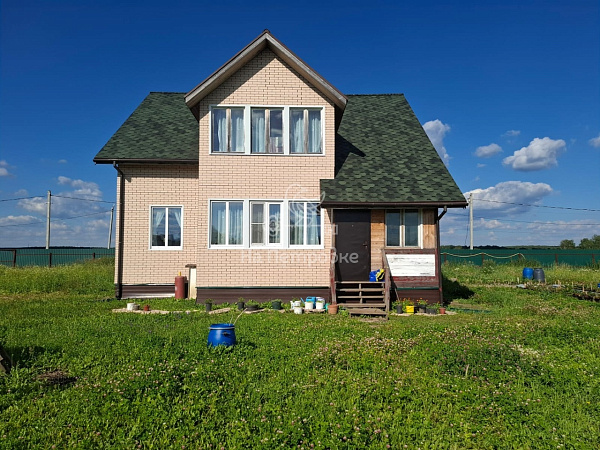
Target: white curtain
(314, 131)
(158, 214)
(237, 130)
(219, 130)
(313, 224)
(236, 223)
(296, 223)
(258, 131)
(217, 232)
(297, 131)
(274, 224)
(175, 234)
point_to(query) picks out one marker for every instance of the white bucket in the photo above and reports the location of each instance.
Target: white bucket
(320, 304)
(296, 304)
(133, 307)
(309, 305)
(298, 310)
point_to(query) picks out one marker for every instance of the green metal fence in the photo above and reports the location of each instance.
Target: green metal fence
(545, 257)
(20, 257)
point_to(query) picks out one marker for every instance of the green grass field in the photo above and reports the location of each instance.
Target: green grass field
(521, 370)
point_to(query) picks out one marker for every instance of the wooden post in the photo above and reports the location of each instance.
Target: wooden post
(556, 259)
(50, 259)
(15, 257)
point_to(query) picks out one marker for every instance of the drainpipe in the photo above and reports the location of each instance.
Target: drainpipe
(119, 254)
(439, 251)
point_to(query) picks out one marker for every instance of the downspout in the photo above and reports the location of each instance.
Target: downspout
(119, 255)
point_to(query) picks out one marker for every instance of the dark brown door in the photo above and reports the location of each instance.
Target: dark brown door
(353, 244)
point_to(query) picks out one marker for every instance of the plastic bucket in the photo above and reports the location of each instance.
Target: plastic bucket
(298, 310)
(373, 275)
(410, 309)
(221, 334)
(309, 305)
(527, 273)
(539, 276)
(319, 305)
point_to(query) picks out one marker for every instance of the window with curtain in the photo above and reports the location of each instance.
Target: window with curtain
(166, 227)
(265, 218)
(305, 131)
(267, 130)
(304, 223)
(227, 223)
(227, 130)
(402, 228)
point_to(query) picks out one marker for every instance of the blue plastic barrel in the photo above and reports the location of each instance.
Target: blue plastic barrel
(528, 273)
(221, 334)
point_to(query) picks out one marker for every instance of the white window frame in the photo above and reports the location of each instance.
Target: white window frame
(248, 127)
(305, 237)
(266, 204)
(227, 218)
(402, 230)
(247, 225)
(166, 246)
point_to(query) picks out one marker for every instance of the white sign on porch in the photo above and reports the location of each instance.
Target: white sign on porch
(412, 265)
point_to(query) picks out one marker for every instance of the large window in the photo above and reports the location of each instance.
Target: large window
(263, 130)
(267, 130)
(262, 224)
(228, 130)
(227, 223)
(166, 227)
(305, 130)
(402, 228)
(305, 223)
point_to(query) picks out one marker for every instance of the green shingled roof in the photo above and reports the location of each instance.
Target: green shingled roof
(162, 129)
(383, 156)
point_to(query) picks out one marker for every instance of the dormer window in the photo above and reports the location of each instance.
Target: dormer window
(264, 130)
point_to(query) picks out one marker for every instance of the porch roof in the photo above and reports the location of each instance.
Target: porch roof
(384, 158)
(161, 129)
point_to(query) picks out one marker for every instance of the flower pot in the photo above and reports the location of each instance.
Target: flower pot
(276, 304)
(431, 311)
(442, 310)
(252, 308)
(332, 309)
(410, 309)
(399, 309)
(422, 309)
(208, 307)
(241, 306)
(146, 307)
(309, 305)
(319, 305)
(298, 310)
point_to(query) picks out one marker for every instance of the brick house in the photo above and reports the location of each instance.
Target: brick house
(265, 181)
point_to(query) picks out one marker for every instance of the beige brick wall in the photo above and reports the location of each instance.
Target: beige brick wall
(157, 185)
(266, 80)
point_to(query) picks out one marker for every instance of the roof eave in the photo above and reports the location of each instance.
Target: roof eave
(372, 205)
(250, 51)
(144, 161)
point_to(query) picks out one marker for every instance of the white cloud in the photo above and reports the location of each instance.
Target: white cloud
(595, 142)
(538, 155)
(18, 220)
(508, 197)
(487, 151)
(481, 166)
(62, 206)
(4, 169)
(62, 161)
(512, 133)
(21, 193)
(436, 130)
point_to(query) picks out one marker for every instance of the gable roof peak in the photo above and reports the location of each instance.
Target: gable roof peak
(265, 40)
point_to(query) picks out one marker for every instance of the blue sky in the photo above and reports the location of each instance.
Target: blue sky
(508, 91)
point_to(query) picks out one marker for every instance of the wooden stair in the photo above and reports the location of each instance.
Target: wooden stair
(365, 298)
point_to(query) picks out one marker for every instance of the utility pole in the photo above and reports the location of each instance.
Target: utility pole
(471, 218)
(48, 221)
(110, 228)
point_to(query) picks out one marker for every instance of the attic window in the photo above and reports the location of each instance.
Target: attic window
(228, 130)
(403, 228)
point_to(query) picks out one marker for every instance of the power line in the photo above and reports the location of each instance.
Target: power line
(83, 199)
(66, 218)
(20, 198)
(527, 221)
(539, 206)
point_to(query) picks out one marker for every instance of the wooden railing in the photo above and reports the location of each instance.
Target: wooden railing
(387, 280)
(332, 285)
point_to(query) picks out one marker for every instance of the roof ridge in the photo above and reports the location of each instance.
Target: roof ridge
(389, 94)
(167, 92)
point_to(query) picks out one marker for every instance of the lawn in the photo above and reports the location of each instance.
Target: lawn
(519, 371)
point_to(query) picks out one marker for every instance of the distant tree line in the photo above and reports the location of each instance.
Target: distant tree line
(586, 243)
